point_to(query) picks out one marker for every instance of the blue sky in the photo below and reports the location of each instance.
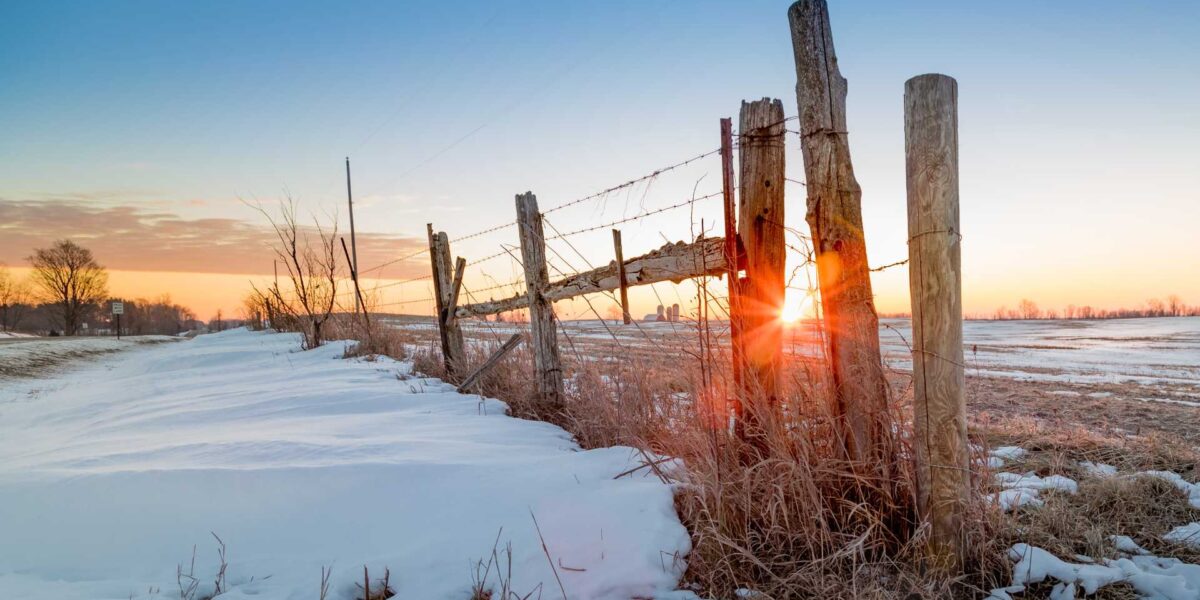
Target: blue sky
(1078, 120)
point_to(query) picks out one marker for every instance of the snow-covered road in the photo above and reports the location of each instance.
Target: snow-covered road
(110, 473)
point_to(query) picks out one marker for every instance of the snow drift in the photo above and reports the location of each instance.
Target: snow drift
(109, 475)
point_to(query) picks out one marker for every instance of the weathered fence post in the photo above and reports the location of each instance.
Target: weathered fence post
(732, 258)
(760, 227)
(935, 282)
(541, 313)
(835, 218)
(453, 350)
(625, 316)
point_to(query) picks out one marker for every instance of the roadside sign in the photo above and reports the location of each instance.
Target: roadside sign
(118, 308)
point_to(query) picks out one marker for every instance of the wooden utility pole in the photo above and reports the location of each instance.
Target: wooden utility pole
(835, 218)
(935, 282)
(760, 227)
(357, 291)
(542, 327)
(353, 243)
(453, 350)
(625, 316)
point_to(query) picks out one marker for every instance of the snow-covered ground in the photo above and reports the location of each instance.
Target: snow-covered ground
(1144, 351)
(30, 356)
(112, 472)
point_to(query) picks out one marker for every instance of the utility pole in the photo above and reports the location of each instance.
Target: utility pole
(353, 243)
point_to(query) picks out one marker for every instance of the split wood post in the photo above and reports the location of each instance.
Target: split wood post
(453, 350)
(935, 282)
(732, 255)
(625, 316)
(760, 229)
(542, 327)
(835, 218)
(460, 265)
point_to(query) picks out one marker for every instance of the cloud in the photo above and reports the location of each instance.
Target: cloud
(136, 239)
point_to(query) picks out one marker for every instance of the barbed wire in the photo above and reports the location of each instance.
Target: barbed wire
(633, 218)
(631, 182)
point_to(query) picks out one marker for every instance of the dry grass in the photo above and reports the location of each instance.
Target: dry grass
(787, 516)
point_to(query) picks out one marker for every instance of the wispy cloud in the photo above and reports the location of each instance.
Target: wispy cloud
(138, 239)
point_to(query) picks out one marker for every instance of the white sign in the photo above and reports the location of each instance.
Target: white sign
(118, 308)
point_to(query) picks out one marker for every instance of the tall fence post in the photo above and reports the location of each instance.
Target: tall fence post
(760, 229)
(541, 313)
(625, 316)
(732, 255)
(935, 282)
(453, 349)
(835, 218)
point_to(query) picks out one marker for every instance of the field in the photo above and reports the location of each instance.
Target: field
(139, 451)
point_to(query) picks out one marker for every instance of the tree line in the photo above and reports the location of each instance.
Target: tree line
(1171, 306)
(66, 293)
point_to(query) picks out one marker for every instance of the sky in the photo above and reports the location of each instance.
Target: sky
(150, 131)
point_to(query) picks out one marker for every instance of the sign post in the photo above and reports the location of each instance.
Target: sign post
(118, 309)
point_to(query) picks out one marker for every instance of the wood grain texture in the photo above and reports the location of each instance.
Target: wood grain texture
(673, 262)
(935, 283)
(760, 229)
(542, 326)
(460, 266)
(835, 219)
(622, 280)
(453, 348)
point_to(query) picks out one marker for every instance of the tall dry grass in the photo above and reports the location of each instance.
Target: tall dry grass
(783, 513)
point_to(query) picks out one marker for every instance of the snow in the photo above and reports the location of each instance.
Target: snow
(1025, 490)
(1100, 470)
(1146, 351)
(1191, 489)
(1150, 576)
(111, 472)
(1009, 453)
(1185, 534)
(1126, 544)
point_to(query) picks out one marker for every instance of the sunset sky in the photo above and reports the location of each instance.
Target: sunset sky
(143, 130)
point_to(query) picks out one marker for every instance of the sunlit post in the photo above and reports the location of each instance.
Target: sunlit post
(935, 282)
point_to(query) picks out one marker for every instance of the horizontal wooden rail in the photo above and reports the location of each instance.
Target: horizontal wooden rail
(673, 262)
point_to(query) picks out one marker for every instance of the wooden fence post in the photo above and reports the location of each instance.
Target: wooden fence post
(732, 258)
(760, 227)
(835, 218)
(935, 282)
(542, 327)
(625, 316)
(453, 349)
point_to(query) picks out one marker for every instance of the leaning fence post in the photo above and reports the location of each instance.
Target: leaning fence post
(835, 217)
(541, 313)
(935, 283)
(625, 316)
(760, 229)
(453, 349)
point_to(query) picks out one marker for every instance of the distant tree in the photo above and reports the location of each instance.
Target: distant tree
(1175, 305)
(1028, 309)
(15, 299)
(68, 276)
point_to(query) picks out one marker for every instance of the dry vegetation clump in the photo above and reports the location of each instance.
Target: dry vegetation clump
(786, 514)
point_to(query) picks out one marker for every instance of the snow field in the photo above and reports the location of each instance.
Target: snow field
(297, 460)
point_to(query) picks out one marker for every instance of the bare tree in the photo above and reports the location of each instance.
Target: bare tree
(310, 258)
(1175, 305)
(1029, 309)
(15, 299)
(68, 276)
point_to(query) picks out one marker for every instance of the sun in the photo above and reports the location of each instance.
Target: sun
(793, 308)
